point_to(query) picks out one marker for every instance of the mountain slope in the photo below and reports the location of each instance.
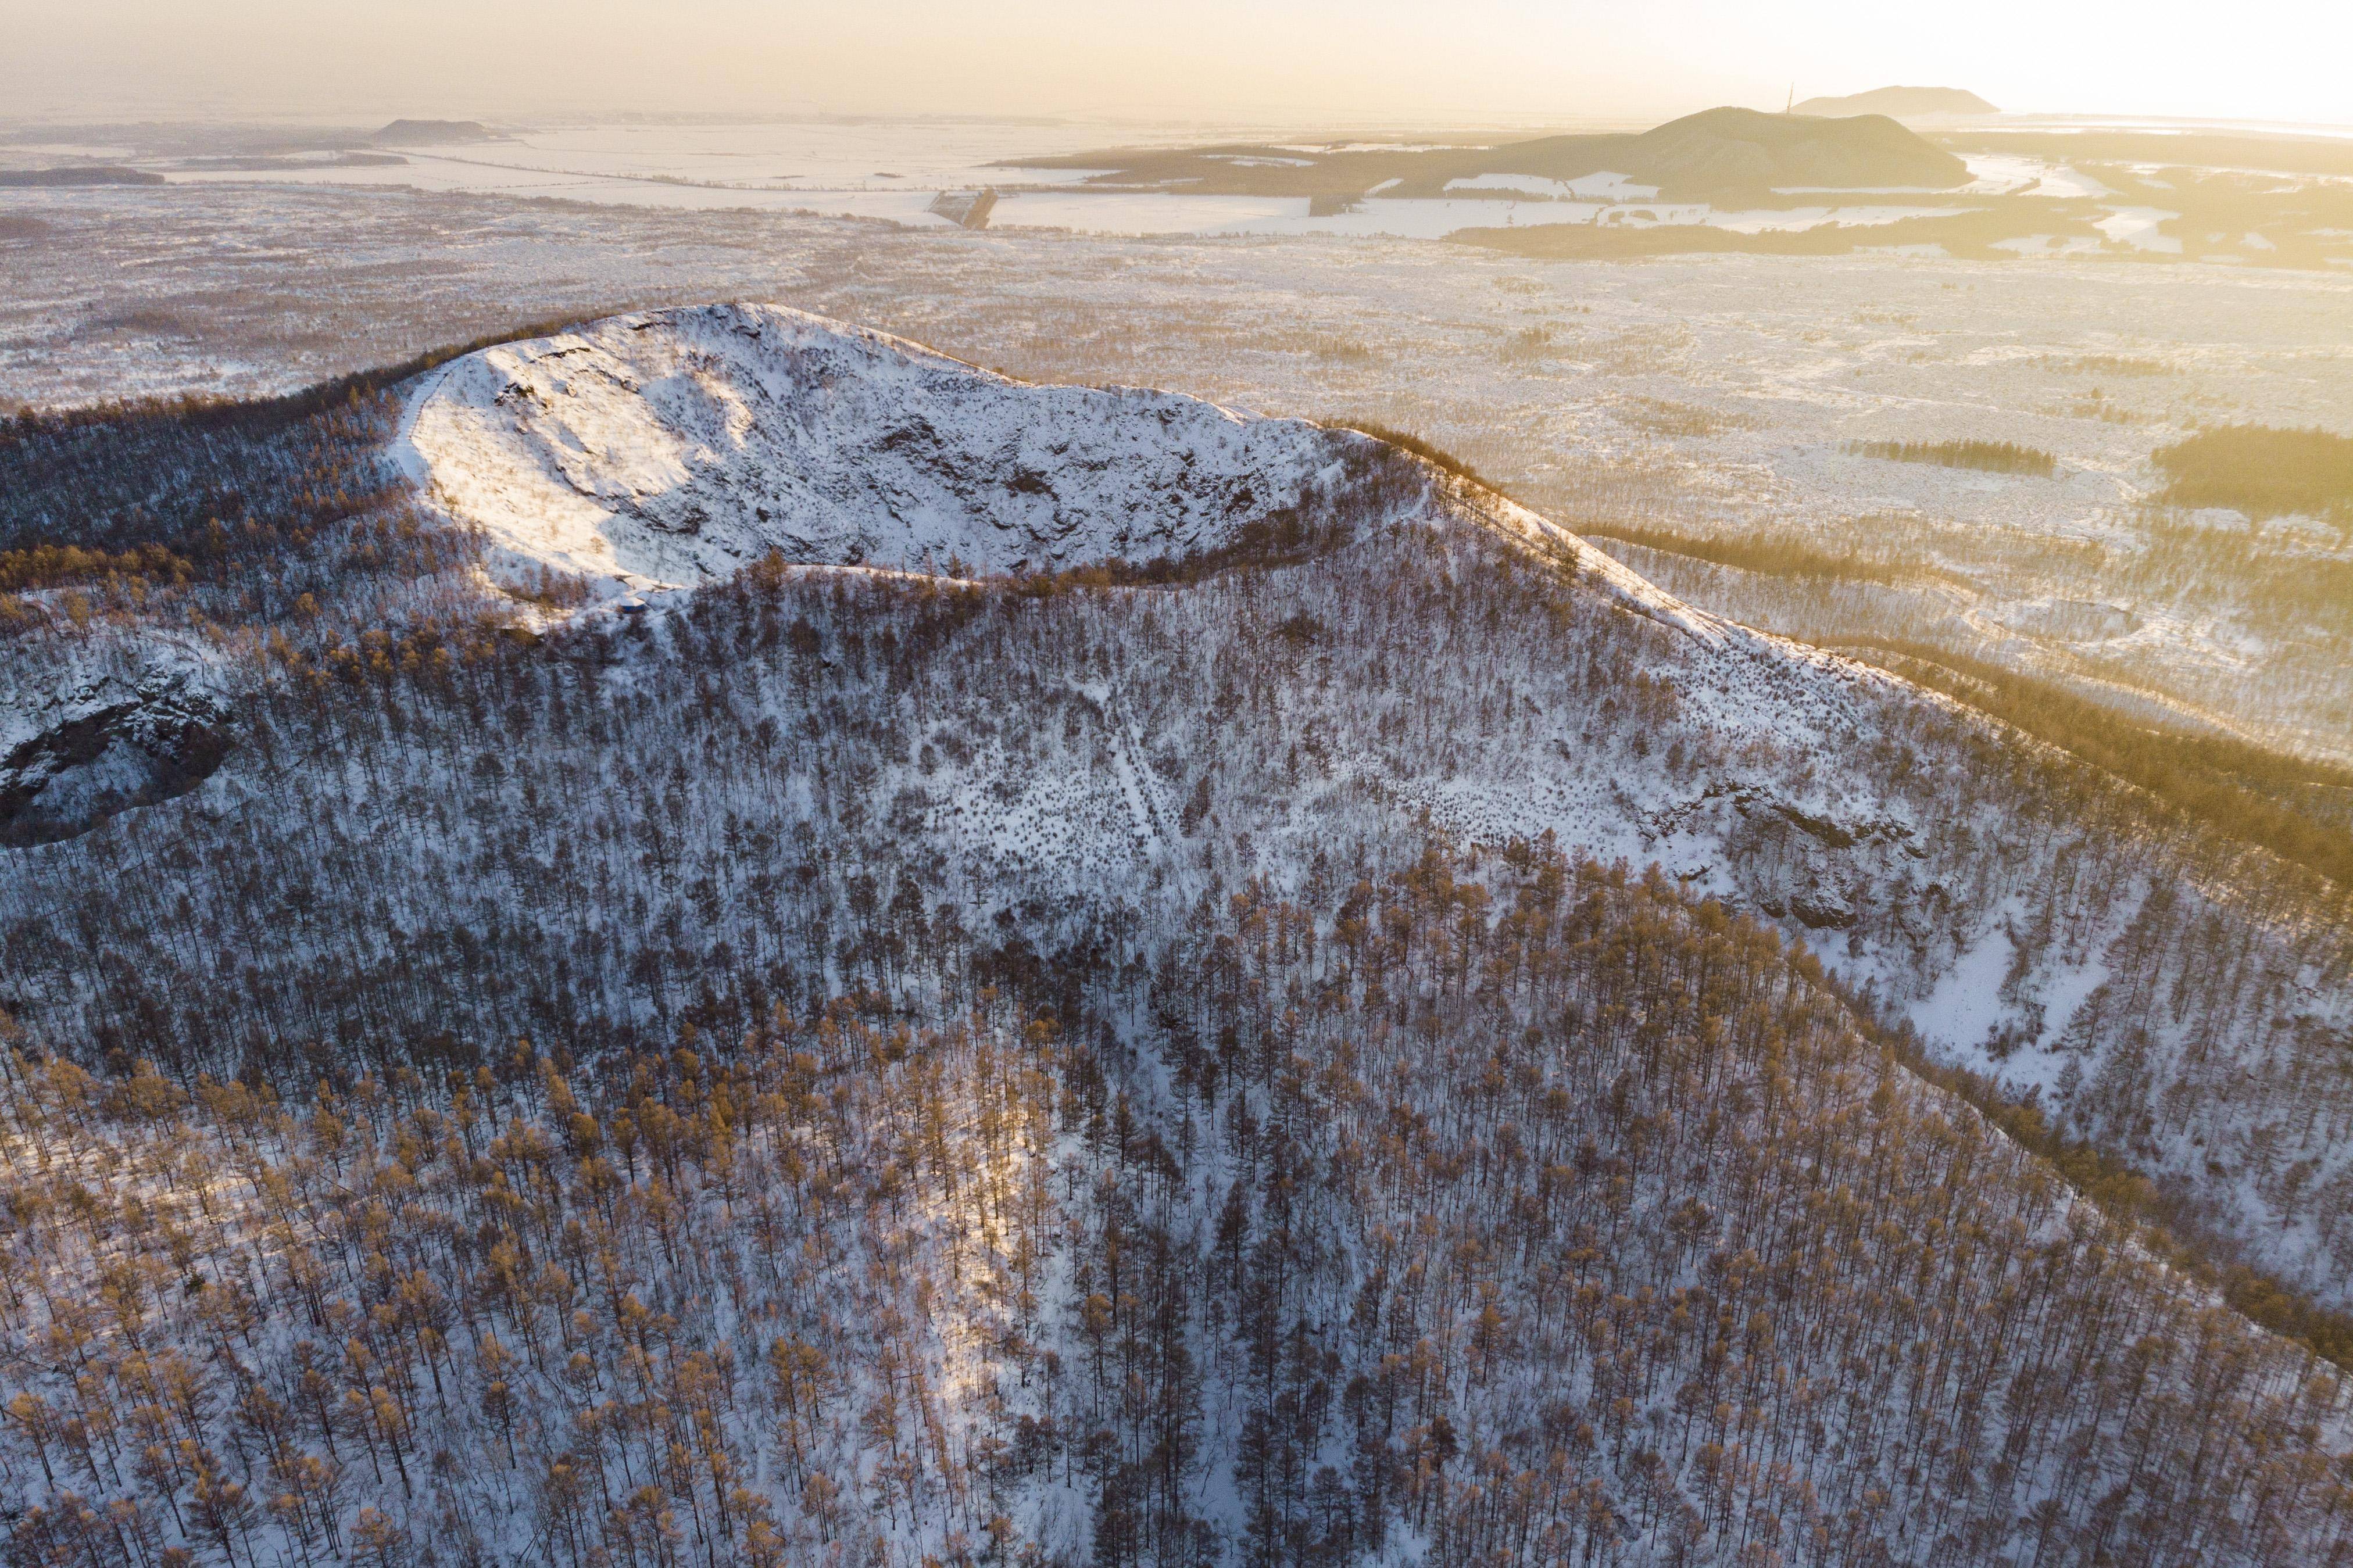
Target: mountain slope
(2171, 996)
(1596, 1227)
(1150, 1060)
(1736, 152)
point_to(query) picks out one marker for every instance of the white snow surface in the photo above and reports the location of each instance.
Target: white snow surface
(661, 449)
(2139, 228)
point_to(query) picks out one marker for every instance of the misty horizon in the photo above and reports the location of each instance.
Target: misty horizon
(1498, 62)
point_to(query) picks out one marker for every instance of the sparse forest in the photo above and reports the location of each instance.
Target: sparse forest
(1500, 1209)
(1382, 1042)
(2282, 803)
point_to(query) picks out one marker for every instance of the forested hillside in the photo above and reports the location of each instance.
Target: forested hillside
(1497, 1210)
(1294, 1053)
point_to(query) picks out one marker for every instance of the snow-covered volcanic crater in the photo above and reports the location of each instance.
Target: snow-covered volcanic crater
(673, 446)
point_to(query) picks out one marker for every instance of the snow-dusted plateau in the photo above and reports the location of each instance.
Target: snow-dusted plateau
(714, 937)
(662, 451)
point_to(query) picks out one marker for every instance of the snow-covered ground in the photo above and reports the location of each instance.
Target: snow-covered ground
(662, 450)
(1039, 199)
(466, 177)
(2060, 181)
(826, 155)
(2138, 227)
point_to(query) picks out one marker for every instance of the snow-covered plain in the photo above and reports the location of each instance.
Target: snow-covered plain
(1040, 202)
(893, 170)
(829, 156)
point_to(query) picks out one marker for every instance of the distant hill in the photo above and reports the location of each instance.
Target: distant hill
(1898, 102)
(1719, 154)
(432, 133)
(1731, 151)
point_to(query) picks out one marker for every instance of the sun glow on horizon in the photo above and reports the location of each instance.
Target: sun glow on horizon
(1493, 61)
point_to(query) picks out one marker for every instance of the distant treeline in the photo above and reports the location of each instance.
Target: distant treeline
(2262, 472)
(85, 174)
(2235, 787)
(1991, 457)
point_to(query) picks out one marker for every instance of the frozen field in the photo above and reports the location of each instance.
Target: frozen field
(894, 170)
(1697, 399)
(867, 169)
(895, 173)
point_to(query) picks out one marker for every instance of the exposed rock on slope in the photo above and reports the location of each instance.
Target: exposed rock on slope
(107, 746)
(669, 449)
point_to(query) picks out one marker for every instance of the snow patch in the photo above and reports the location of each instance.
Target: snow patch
(2138, 227)
(664, 449)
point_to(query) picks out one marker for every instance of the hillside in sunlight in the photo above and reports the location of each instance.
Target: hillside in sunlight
(711, 937)
(1718, 154)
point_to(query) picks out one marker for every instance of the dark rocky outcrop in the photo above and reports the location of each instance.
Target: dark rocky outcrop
(113, 749)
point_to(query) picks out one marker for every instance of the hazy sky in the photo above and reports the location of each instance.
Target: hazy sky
(1288, 60)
